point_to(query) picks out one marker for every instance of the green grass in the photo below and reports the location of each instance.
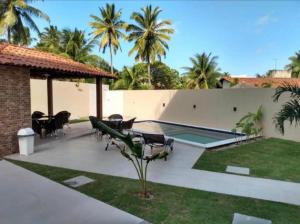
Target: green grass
(82, 119)
(171, 204)
(268, 158)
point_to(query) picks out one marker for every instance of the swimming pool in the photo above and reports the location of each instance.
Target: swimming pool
(194, 135)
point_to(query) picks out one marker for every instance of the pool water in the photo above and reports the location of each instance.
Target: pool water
(195, 138)
(186, 133)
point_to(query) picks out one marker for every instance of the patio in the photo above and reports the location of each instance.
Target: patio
(86, 153)
(41, 200)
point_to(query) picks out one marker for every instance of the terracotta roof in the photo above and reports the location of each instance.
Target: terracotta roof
(259, 82)
(36, 59)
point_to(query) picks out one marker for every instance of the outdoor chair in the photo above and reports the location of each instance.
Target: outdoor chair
(114, 125)
(127, 125)
(37, 115)
(94, 121)
(158, 141)
(115, 117)
(65, 116)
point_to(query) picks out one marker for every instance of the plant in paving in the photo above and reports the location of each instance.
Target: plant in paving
(13, 15)
(150, 36)
(250, 124)
(108, 27)
(136, 155)
(290, 111)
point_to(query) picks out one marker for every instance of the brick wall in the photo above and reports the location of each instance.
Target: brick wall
(14, 106)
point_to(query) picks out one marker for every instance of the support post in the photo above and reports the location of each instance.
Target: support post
(99, 97)
(50, 96)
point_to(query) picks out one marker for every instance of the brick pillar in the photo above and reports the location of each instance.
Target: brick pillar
(15, 111)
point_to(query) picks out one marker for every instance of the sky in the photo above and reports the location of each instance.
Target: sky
(249, 37)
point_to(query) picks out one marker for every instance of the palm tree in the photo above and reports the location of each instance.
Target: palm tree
(294, 66)
(50, 40)
(13, 14)
(150, 36)
(18, 40)
(108, 27)
(75, 45)
(129, 79)
(203, 73)
(290, 111)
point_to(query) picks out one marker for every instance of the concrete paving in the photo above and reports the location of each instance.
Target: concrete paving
(245, 219)
(28, 198)
(78, 181)
(88, 154)
(238, 170)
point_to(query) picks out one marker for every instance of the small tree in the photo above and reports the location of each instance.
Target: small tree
(250, 124)
(135, 153)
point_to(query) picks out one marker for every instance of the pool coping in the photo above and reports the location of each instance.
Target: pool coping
(239, 136)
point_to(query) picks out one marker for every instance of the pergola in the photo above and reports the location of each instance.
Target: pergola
(43, 65)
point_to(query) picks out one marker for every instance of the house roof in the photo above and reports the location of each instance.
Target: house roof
(44, 62)
(260, 82)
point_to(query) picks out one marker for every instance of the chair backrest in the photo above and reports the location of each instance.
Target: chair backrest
(154, 138)
(127, 124)
(115, 117)
(59, 120)
(37, 115)
(112, 124)
(93, 121)
(64, 116)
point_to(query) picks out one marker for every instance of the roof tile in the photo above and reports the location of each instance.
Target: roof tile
(28, 57)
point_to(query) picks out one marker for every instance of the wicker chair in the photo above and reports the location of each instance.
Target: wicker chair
(115, 117)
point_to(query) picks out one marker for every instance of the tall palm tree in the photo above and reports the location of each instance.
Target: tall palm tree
(13, 15)
(290, 111)
(204, 71)
(108, 27)
(75, 45)
(150, 36)
(294, 66)
(129, 79)
(50, 40)
(18, 40)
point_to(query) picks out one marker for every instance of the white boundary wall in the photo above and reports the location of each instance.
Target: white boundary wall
(214, 108)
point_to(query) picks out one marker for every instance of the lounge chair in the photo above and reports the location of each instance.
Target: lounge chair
(114, 125)
(158, 141)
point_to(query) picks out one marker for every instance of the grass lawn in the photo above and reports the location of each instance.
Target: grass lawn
(171, 204)
(270, 158)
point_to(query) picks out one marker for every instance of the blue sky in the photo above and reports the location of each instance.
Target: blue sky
(249, 37)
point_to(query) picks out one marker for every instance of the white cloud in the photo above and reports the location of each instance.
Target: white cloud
(264, 21)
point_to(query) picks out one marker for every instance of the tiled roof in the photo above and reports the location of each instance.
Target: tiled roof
(260, 82)
(36, 59)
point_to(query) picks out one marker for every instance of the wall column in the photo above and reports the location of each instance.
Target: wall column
(99, 97)
(50, 96)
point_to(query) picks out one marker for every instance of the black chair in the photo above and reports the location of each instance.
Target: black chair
(93, 121)
(127, 125)
(64, 116)
(115, 117)
(37, 115)
(157, 141)
(114, 125)
(36, 126)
